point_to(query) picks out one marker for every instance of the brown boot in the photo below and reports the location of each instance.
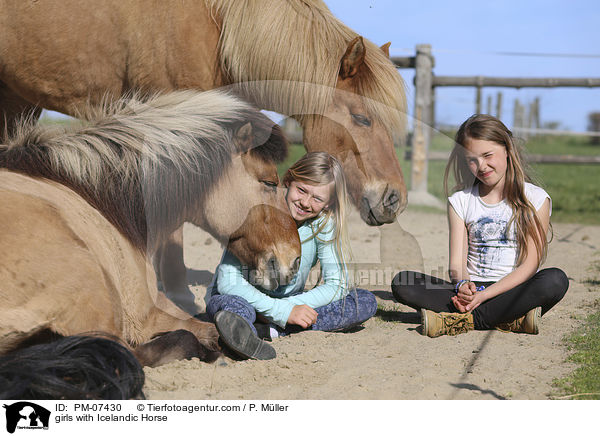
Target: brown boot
(528, 323)
(445, 323)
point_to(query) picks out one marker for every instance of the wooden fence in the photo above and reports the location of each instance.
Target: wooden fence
(424, 110)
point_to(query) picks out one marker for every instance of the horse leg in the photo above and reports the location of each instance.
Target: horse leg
(13, 106)
(170, 268)
(164, 316)
(171, 346)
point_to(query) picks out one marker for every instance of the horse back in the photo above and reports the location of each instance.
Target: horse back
(63, 267)
(111, 47)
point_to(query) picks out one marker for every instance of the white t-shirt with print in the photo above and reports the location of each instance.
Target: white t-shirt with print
(492, 250)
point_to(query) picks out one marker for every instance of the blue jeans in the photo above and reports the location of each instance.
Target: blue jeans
(357, 307)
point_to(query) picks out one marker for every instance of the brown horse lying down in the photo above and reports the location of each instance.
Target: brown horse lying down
(84, 209)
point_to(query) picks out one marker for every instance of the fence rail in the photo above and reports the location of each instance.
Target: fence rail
(515, 82)
(554, 132)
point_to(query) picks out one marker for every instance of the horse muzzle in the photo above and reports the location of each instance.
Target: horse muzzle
(271, 273)
(377, 208)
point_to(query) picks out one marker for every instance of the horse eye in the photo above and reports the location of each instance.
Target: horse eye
(270, 184)
(361, 120)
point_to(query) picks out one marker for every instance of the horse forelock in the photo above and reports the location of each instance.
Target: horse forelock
(141, 161)
(295, 67)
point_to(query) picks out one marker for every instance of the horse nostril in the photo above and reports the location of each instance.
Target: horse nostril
(392, 201)
(365, 203)
(273, 271)
(273, 266)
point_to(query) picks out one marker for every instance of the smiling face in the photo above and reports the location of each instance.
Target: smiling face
(487, 160)
(306, 201)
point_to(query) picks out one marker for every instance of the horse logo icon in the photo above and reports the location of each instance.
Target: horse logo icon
(26, 415)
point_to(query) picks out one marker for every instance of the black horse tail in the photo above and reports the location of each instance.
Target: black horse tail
(70, 368)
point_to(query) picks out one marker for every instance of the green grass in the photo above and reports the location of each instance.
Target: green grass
(574, 191)
(295, 152)
(45, 120)
(442, 141)
(573, 188)
(584, 382)
(575, 145)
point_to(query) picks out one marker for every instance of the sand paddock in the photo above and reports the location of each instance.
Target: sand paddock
(388, 358)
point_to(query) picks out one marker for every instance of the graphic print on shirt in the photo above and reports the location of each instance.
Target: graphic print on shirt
(490, 238)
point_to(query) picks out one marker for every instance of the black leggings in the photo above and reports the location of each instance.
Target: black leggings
(420, 291)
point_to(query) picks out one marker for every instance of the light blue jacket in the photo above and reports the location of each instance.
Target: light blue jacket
(277, 305)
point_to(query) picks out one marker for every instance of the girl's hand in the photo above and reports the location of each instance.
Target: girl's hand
(459, 306)
(478, 298)
(302, 315)
(466, 293)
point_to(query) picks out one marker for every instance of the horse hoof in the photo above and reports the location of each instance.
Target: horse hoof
(208, 336)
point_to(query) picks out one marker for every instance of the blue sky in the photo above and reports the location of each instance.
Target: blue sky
(466, 34)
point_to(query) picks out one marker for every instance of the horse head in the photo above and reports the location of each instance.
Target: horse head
(248, 210)
(350, 129)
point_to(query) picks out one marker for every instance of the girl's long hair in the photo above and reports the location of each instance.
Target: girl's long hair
(320, 168)
(489, 128)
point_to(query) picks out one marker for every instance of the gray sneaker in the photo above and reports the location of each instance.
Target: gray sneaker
(237, 334)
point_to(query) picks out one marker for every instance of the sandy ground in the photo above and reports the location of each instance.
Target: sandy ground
(388, 358)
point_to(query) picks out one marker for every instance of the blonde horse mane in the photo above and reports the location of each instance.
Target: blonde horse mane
(284, 55)
(138, 160)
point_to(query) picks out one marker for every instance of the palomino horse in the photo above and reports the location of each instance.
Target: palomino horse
(84, 208)
(292, 56)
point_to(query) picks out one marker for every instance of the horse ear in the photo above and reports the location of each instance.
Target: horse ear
(353, 58)
(243, 137)
(385, 48)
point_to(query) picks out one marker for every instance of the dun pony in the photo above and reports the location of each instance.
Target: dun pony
(85, 205)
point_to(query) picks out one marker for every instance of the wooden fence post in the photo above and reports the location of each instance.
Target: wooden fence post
(422, 117)
(519, 119)
(478, 101)
(432, 114)
(534, 114)
(499, 105)
(594, 126)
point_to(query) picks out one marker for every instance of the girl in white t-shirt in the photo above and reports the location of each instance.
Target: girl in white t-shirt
(498, 223)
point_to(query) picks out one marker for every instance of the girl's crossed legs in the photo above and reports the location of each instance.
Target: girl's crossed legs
(358, 306)
(420, 291)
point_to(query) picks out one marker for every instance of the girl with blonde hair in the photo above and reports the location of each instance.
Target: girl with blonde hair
(498, 225)
(317, 200)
